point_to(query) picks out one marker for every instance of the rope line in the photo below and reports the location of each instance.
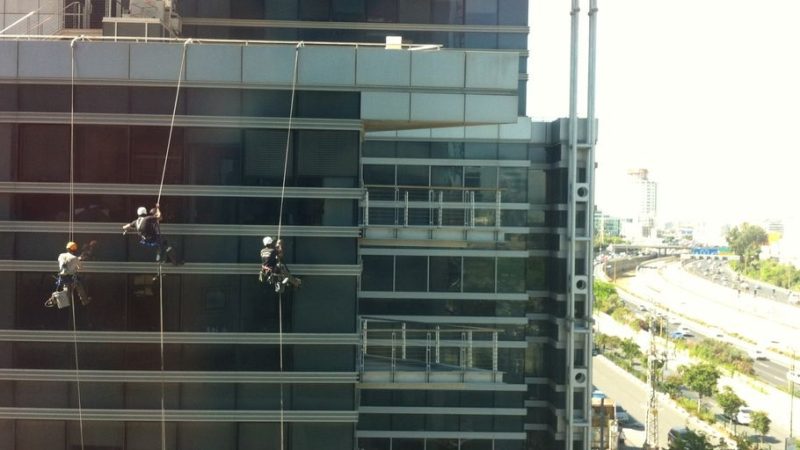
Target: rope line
(71, 232)
(288, 136)
(77, 366)
(172, 121)
(161, 342)
(280, 357)
(160, 262)
(280, 223)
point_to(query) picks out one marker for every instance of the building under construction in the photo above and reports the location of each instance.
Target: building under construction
(443, 239)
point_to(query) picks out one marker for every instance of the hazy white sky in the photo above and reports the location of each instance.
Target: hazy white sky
(703, 93)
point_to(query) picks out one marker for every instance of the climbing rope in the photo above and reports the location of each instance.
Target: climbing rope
(160, 274)
(161, 321)
(72, 230)
(280, 222)
(172, 121)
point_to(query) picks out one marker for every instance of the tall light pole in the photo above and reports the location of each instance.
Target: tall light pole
(792, 377)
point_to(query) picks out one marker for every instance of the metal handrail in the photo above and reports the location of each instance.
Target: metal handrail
(408, 47)
(62, 15)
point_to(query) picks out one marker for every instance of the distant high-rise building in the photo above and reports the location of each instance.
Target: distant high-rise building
(644, 207)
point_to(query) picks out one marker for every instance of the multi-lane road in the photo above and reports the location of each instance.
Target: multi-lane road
(755, 324)
(752, 323)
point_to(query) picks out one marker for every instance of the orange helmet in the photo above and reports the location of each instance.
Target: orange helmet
(71, 246)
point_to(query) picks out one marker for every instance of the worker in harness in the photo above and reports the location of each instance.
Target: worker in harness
(273, 270)
(147, 224)
(68, 281)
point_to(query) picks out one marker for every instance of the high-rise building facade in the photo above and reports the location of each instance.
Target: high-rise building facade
(443, 238)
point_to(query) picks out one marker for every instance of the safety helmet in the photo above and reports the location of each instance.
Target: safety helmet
(71, 246)
(142, 211)
(267, 241)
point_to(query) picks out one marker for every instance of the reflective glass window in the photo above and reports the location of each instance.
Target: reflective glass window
(156, 100)
(315, 9)
(480, 150)
(512, 12)
(377, 273)
(44, 153)
(484, 180)
(378, 174)
(513, 181)
(510, 275)
(411, 273)
(412, 175)
(447, 11)
(480, 40)
(44, 97)
(445, 274)
(101, 154)
(325, 304)
(447, 176)
(384, 11)
(148, 148)
(380, 149)
(414, 11)
(373, 443)
(101, 99)
(453, 150)
(413, 149)
(481, 12)
(479, 274)
(328, 104)
(348, 10)
(280, 9)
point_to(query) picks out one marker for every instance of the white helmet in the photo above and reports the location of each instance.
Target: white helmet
(142, 211)
(267, 241)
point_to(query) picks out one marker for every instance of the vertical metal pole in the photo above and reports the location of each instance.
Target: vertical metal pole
(366, 208)
(498, 211)
(403, 344)
(472, 209)
(438, 344)
(363, 345)
(462, 355)
(428, 357)
(591, 138)
(405, 211)
(431, 200)
(441, 208)
(396, 199)
(393, 358)
(495, 358)
(571, 221)
(469, 349)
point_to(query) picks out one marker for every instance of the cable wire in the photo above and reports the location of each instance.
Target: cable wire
(71, 232)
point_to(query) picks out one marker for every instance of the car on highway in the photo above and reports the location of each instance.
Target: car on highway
(676, 433)
(621, 415)
(758, 355)
(743, 416)
(677, 335)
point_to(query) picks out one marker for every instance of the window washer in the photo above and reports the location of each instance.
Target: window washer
(149, 229)
(273, 271)
(68, 280)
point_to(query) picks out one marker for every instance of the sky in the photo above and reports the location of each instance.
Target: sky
(703, 93)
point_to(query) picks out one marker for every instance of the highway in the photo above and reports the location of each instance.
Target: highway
(746, 321)
(720, 313)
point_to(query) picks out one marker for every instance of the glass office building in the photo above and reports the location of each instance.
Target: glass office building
(439, 233)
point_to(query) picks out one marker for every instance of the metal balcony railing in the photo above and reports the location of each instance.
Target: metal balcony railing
(433, 207)
(48, 19)
(398, 346)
